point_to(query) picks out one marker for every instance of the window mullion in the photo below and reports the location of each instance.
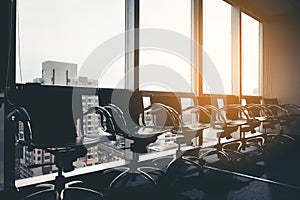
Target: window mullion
(131, 44)
(236, 50)
(197, 43)
(260, 88)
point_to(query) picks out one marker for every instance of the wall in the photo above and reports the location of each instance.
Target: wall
(7, 61)
(4, 38)
(282, 58)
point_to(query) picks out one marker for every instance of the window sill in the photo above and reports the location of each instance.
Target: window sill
(95, 168)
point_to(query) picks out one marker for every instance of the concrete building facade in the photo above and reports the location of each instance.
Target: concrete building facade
(58, 73)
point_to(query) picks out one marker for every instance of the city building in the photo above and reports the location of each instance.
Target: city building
(58, 73)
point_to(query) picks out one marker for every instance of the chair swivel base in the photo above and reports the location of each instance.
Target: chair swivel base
(131, 173)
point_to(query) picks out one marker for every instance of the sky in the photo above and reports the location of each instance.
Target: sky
(63, 30)
(71, 30)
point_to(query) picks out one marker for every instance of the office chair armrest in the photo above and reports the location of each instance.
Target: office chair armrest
(265, 111)
(241, 155)
(117, 118)
(171, 113)
(20, 114)
(108, 126)
(278, 109)
(241, 109)
(252, 106)
(293, 106)
(294, 110)
(217, 119)
(196, 109)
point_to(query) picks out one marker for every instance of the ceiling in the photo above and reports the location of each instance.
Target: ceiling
(272, 8)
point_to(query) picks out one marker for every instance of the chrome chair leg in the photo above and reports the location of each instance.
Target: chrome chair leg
(118, 177)
(146, 175)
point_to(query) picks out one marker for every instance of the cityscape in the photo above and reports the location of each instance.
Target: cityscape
(65, 74)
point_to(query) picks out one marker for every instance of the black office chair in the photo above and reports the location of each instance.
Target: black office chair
(294, 113)
(49, 115)
(181, 164)
(227, 151)
(283, 117)
(293, 110)
(262, 114)
(270, 115)
(126, 108)
(274, 145)
(239, 112)
(235, 113)
(173, 102)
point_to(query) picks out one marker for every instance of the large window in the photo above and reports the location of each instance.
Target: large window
(70, 43)
(231, 44)
(250, 56)
(82, 43)
(165, 45)
(217, 40)
(59, 41)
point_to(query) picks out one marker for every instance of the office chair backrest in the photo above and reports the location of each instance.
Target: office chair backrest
(229, 100)
(169, 99)
(130, 102)
(203, 101)
(53, 111)
(253, 100)
(271, 101)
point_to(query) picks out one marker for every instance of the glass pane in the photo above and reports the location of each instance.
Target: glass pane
(217, 41)
(165, 45)
(68, 42)
(250, 55)
(58, 41)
